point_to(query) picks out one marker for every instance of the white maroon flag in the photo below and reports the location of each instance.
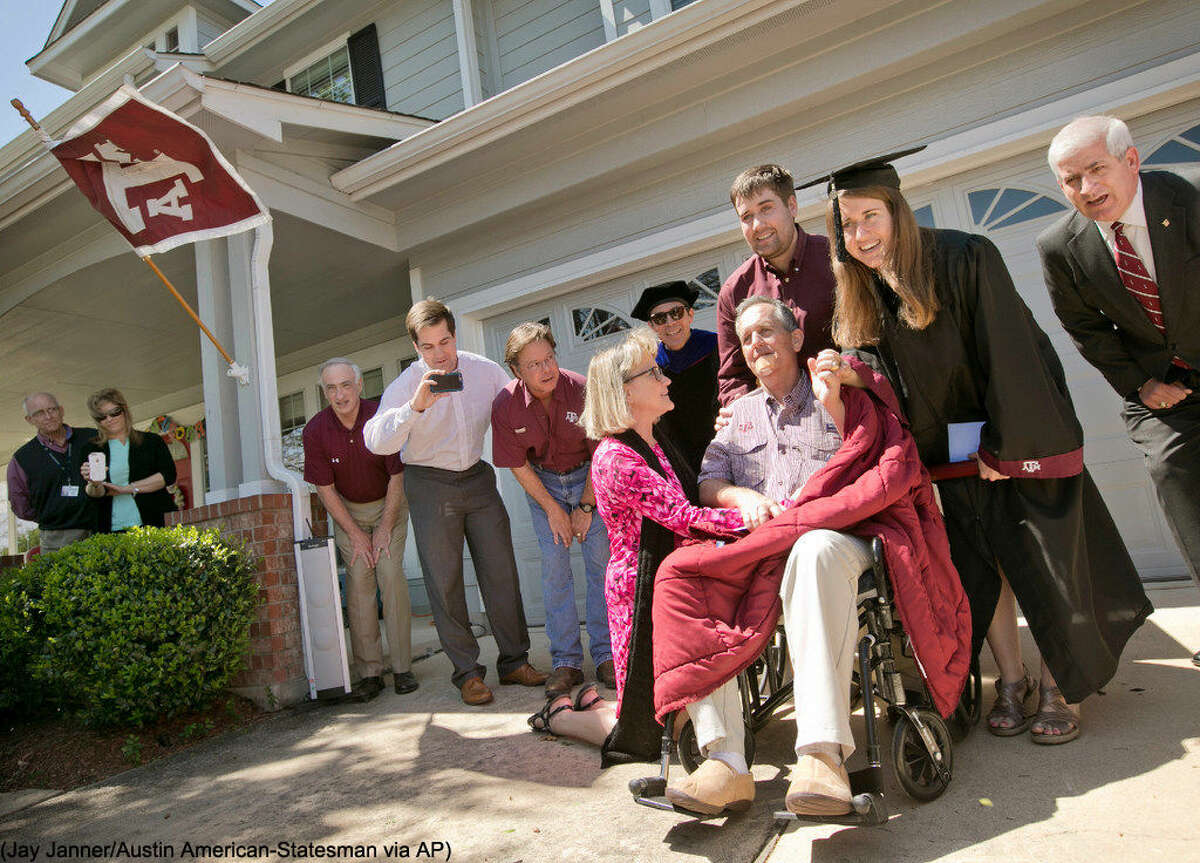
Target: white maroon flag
(158, 179)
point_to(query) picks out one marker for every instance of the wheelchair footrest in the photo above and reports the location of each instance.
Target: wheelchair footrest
(869, 810)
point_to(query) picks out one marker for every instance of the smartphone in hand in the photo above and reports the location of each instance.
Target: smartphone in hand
(446, 382)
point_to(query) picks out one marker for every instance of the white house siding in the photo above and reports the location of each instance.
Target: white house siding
(535, 35)
(629, 15)
(419, 54)
(208, 29)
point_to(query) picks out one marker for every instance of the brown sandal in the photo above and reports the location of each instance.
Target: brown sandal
(1010, 705)
(1053, 712)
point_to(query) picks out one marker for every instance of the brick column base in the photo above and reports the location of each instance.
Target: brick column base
(274, 674)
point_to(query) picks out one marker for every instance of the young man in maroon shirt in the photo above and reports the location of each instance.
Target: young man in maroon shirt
(536, 434)
(787, 264)
(364, 496)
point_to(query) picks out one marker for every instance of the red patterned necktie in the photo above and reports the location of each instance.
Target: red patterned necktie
(1136, 278)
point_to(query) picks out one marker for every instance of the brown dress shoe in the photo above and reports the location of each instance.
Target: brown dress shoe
(606, 673)
(562, 680)
(819, 787)
(712, 789)
(526, 675)
(475, 692)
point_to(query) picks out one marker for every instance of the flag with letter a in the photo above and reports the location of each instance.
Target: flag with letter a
(157, 178)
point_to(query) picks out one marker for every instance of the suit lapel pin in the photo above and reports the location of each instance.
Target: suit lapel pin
(1166, 223)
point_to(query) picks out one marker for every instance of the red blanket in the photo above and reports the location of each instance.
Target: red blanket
(715, 607)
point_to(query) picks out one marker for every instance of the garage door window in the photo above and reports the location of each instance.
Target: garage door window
(1183, 149)
(1000, 208)
(593, 323)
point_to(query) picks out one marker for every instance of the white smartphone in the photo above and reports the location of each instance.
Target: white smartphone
(96, 467)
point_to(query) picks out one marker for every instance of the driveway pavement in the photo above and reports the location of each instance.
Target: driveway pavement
(425, 777)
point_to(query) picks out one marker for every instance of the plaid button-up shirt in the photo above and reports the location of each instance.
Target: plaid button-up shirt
(770, 446)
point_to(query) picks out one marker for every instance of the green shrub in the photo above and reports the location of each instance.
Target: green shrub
(130, 628)
(20, 637)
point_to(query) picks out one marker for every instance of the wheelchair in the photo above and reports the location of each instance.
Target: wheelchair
(922, 753)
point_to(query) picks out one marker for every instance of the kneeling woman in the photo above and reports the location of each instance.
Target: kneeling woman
(140, 468)
(936, 311)
(645, 493)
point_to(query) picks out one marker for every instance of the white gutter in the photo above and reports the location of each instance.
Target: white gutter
(268, 403)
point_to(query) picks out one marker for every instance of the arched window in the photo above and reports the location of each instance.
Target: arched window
(1180, 150)
(592, 322)
(1000, 208)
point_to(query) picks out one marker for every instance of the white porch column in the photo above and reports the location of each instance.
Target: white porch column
(609, 16)
(468, 52)
(10, 521)
(232, 418)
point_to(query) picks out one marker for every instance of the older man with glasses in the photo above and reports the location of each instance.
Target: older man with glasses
(45, 484)
(536, 434)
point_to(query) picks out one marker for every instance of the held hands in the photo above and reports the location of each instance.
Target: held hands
(423, 398)
(826, 380)
(830, 360)
(1159, 396)
(756, 509)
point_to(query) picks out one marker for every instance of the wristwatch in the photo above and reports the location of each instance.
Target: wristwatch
(589, 508)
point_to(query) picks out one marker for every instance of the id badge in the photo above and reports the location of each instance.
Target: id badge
(70, 491)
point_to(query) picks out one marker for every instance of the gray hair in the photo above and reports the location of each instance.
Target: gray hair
(1083, 131)
(25, 400)
(339, 361)
(783, 314)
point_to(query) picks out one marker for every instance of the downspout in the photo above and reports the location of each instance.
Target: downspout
(264, 341)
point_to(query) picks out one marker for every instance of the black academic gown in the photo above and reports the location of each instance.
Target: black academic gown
(984, 358)
(692, 371)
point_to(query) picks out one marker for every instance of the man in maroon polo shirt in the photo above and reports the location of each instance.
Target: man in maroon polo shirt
(364, 496)
(536, 433)
(787, 264)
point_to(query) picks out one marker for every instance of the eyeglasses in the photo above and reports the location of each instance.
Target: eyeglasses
(654, 371)
(548, 363)
(45, 412)
(112, 414)
(675, 314)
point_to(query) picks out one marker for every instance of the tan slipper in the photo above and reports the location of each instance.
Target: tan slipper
(712, 789)
(819, 786)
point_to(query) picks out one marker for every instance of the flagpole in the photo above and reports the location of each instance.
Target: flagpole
(236, 370)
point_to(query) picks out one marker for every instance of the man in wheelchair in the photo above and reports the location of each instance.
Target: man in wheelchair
(816, 473)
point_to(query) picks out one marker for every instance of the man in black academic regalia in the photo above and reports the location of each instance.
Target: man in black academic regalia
(690, 359)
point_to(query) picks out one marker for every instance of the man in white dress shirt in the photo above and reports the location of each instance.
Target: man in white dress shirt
(1123, 277)
(452, 494)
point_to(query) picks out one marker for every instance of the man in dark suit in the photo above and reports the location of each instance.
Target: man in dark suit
(1124, 277)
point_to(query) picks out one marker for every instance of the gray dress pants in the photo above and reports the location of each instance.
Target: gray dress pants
(447, 507)
(1170, 441)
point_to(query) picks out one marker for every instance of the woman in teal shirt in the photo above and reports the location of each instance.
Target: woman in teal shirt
(140, 467)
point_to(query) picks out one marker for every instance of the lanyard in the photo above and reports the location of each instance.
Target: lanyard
(63, 468)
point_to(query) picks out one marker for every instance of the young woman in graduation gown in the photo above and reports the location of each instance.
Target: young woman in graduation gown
(936, 311)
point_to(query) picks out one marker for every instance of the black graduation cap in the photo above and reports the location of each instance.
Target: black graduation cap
(876, 171)
(656, 294)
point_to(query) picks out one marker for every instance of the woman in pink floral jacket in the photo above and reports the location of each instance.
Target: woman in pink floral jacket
(642, 492)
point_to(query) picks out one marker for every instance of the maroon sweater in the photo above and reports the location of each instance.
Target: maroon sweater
(715, 607)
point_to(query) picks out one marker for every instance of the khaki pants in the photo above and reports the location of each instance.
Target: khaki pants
(361, 579)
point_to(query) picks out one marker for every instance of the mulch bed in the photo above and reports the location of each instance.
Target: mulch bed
(60, 752)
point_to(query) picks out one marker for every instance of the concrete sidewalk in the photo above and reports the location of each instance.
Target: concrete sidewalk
(424, 768)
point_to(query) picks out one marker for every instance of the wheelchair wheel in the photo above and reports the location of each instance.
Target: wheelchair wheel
(911, 761)
(970, 705)
(689, 749)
